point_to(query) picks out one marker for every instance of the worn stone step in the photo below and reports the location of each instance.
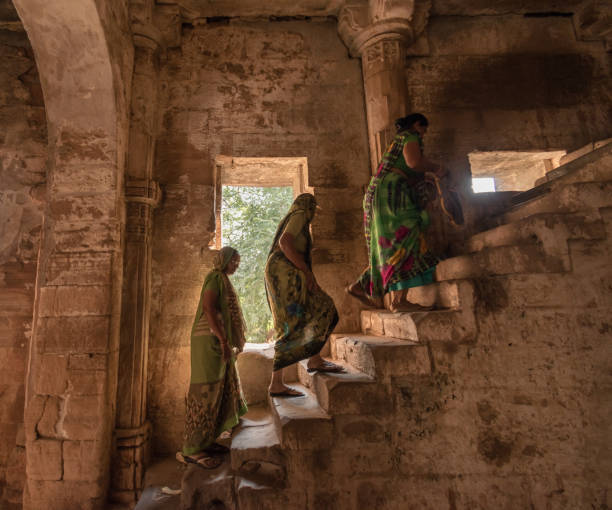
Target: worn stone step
(255, 450)
(590, 167)
(301, 423)
(200, 488)
(353, 392)
(563, 198)
(550, 230)
(455, 326)
(454, 323)
(251, 495)
(502, 260)
(381, 357)
(446, 294)
(591, 163)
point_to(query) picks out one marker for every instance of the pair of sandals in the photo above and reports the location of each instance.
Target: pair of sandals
(209, 459)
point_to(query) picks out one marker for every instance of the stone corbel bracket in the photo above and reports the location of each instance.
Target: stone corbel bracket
(361, 25)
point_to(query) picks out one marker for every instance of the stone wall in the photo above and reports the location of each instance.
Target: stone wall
(491, 81)
(23, 149)
(249, 89)
(71, 390)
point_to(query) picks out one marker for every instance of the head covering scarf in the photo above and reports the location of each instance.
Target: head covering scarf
(229, 304)
(307, 204)
(223, 257)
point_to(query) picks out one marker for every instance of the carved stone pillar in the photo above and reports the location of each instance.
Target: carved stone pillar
(132, 430)
(379, 33)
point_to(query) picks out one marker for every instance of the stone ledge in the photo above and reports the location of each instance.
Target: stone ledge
(382, 357)
(300, 422)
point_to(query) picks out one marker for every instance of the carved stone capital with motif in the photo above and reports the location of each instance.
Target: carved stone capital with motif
(363, 24)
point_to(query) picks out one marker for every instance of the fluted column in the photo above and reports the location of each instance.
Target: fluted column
(379, 33)
(132, 430)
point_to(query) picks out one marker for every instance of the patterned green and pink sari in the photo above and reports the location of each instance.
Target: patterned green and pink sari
(395, 221)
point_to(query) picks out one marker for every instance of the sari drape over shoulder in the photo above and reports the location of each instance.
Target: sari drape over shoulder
(303, 320)
(215, 401)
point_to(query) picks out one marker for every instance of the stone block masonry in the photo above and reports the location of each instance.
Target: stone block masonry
(248, 89)
(23, 150)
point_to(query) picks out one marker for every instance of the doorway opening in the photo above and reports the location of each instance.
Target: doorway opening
(251, 197)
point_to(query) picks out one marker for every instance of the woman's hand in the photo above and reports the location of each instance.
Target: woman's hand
(226, 352)
(441, 172)
(287, 246)
(311, 282)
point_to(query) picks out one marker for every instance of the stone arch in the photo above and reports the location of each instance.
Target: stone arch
(83, 54)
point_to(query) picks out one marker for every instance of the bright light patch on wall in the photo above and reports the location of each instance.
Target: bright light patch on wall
(483, 184)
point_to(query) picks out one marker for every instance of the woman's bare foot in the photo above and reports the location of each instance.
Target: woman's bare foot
(396, 301)
(278, 389)
(357, 292)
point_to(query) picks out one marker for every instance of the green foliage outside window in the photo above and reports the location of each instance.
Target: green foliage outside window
(250, 216)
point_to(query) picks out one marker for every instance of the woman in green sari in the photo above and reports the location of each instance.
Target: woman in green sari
(215, 401)
(395, 219)
(304, 315)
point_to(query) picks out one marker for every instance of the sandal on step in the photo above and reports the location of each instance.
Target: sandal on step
(327, 366)
(216, 448)
(204, 462)
(287, 393)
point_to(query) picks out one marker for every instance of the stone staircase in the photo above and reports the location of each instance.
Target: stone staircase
(400, 424)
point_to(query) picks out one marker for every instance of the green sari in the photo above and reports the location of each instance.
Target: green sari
(303, 320)
(215, 401)
(395, 222)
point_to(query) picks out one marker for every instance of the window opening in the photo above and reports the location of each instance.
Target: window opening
(250, 216)
(483, 184)
(251, 197)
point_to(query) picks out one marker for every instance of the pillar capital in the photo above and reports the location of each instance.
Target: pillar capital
(365, 24)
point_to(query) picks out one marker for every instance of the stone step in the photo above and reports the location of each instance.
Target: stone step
(200, 488)
(454, 323)
(550, 230)
(502, 260)
(381, 357)
(301, 423)
(591, 163)
(592, 166)
(254, 365)
(255, 449)
(251, 495)
(352, 392)
(563, 198)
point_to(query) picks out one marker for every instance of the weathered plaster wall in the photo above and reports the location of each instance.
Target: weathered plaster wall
(82, 52)
(520, 419)
(507, 82)
(260, 89)
(23, 149)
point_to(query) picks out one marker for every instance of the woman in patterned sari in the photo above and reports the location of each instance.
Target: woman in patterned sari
(395, 219)
(304, 315)
(215, 401)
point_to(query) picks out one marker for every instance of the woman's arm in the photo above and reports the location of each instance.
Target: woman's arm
(209, 307)
(286, 243)
(417, 162)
